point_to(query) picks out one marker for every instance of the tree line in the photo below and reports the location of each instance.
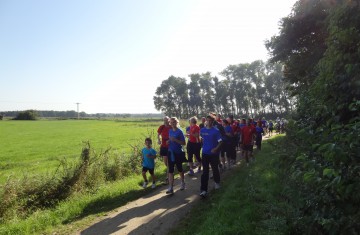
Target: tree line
(318, 44)
(71, 114)
(248, 89)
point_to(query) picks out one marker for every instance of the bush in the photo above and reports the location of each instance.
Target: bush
(27, 115)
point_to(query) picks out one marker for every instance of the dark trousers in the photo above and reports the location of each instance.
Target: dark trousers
(213, 161)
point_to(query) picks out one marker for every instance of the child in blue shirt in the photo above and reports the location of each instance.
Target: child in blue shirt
(148, 162)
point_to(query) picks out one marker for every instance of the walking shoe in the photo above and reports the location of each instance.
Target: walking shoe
(153, 185)
(145, 184)
(182, 187)
(170, 191)
(191, 172)
(217, 186)
(203, 194)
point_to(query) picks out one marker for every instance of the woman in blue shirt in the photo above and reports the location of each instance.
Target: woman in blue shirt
(176, 155)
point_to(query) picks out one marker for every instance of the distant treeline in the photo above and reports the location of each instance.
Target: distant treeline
(73, 114)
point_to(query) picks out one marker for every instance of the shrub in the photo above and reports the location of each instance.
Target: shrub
(27, 115)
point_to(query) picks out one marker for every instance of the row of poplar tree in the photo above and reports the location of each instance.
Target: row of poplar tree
(249, 89)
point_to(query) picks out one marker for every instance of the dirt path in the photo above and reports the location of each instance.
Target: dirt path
(155, 213)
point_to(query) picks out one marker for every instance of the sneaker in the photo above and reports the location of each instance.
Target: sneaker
(153, 185)
(170, 191)
(217, 186)
(182, 187)
(191, 173)
(203, 194)
(145, 184)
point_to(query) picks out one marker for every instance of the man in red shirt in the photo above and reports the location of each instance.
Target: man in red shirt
(163, 137)
(248, 134)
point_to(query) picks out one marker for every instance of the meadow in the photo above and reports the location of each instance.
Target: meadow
(36, 147)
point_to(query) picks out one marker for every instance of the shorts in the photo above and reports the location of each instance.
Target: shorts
(193, 149)
(178, 163)
(151, 170)
(163, 151)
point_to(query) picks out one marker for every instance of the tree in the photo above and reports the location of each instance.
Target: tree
(171, 97)
(196, 104)
(27, 115)
(322, 63)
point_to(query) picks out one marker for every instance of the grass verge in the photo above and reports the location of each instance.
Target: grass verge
(251, 201)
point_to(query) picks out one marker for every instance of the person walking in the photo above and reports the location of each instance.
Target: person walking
(212, 142)
(163, 137)
(248, 133)
(193, 145)
(259, 133)
(176, 155)
(148, 162)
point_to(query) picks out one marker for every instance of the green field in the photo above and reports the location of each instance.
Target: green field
(28, 147)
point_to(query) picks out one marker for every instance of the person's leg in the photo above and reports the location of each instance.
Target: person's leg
(171, 177)
(214, 162)
(153, 177)
(246, 154)
(144, 176)
(190, 152)
(164, 153)
(205, 174)
(181, 173)
(144, 170)
(197, 155)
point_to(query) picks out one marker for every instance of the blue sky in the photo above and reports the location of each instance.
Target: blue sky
(110, 56)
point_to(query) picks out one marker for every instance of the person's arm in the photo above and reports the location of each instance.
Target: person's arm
(152, 154)
(217, 148)
(179, 141)
(159, 140)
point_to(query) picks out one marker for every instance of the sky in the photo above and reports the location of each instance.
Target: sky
(110, 56)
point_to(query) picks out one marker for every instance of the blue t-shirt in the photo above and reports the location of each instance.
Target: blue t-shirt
(227, 139)
(148, 162)
(211, 138)
(259, 132)
(174, 146)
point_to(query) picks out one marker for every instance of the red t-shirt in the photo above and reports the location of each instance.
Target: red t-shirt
(235, 128)
(247, 133)
(163, 131)
(193, 130)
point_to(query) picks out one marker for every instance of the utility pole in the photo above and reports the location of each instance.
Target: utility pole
(78, 110)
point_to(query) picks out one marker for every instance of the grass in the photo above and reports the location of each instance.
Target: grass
(87, 205)
(250, 202)
(32, 150)
(82, 206)
(29, 147)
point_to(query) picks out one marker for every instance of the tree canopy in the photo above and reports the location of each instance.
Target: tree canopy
(248, 89)
(319, 47)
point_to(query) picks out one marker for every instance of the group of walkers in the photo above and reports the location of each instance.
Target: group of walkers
(213, 143)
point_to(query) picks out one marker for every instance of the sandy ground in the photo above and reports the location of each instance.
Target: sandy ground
(155, 213)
